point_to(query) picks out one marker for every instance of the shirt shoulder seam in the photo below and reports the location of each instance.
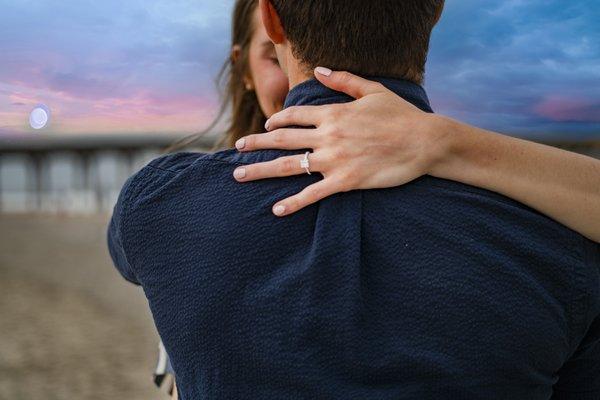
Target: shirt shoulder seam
(228, 162)
(125, 211)
(206, 160)
(161, 169)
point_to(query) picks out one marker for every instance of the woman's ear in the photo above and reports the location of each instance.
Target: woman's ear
(272, 22)
(236, 51)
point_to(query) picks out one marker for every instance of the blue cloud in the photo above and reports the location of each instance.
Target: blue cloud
(493, 63)
(169, 46)
(507, 65)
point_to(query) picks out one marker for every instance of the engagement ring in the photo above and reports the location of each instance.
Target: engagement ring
(304, 163)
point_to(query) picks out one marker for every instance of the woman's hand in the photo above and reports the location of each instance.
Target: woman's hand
(381, 141)
(377, 141)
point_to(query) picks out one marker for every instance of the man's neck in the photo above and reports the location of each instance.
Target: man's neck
(295, 71)
(296, 77)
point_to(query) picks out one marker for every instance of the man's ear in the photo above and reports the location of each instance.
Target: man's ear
(272, 22)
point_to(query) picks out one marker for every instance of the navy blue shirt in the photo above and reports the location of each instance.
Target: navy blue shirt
(431, 290)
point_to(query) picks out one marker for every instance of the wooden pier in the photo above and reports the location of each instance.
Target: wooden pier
(77, 174)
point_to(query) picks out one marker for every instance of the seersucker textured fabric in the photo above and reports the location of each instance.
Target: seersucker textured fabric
(431, 290)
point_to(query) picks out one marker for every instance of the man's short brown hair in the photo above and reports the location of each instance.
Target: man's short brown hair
(367, 37)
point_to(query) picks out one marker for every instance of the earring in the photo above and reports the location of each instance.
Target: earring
(248, 87)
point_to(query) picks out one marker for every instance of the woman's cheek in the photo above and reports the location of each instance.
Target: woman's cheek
(279, 87)
(272, 88)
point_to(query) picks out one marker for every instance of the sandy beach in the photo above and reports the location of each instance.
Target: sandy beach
(70, 326)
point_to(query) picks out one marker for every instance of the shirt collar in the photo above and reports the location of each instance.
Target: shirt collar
(313, 92)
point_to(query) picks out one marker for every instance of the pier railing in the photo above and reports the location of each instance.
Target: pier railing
(72, 174)
(84, 174)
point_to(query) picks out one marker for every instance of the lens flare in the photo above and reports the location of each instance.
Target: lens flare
(39, 117)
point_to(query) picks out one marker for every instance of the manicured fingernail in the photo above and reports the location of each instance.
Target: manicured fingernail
(267, 124)
(323, 71)
(279, 210)
(239, 173)
(240, 144)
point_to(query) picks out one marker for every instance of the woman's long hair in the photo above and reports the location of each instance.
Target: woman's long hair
(246, 115)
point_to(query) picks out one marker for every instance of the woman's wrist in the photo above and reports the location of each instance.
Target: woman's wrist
(469, 155)
(444, 146)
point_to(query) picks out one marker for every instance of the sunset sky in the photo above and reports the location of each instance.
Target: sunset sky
(525, 67)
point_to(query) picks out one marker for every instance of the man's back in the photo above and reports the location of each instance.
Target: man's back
(430, 290)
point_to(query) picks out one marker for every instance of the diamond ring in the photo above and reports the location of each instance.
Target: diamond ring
(304, 163)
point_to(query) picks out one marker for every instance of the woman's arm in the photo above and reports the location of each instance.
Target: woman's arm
(381, 141)
(558, 183)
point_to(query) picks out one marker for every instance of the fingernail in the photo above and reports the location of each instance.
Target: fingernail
(240, 144)
(323, 71)
(239, 173)
(267, 124)
(279, 210)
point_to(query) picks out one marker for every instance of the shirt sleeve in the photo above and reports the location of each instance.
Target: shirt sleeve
(116, 247)
(579, 378)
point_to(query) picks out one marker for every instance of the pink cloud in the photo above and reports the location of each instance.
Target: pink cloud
(22, 98)
(568, 109)
(140, 111)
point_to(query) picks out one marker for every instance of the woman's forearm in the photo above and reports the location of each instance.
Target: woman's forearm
(561, 184)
